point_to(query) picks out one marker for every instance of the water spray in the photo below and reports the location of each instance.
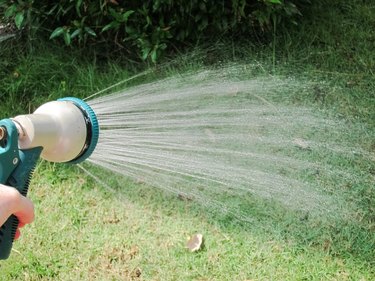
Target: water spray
(63, 131)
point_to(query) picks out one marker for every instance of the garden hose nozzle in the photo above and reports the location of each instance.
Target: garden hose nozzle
(65, 130)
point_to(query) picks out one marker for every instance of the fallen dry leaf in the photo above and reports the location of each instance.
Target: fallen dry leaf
(195, 242)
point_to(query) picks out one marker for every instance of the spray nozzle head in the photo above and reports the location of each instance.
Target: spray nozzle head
(92, 128)
(67, 129)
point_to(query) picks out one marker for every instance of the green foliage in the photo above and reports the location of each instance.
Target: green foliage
(150, 27)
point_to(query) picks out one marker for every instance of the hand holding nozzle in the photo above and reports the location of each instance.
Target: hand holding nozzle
(13, 203)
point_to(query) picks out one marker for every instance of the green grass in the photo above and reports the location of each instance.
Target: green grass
(84, 231)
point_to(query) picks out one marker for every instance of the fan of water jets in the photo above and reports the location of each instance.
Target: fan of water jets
(214, 135)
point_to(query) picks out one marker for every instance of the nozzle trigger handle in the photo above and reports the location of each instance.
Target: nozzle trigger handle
(20, 179)
(16, 167)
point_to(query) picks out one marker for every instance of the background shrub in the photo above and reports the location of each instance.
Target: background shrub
(147, 27)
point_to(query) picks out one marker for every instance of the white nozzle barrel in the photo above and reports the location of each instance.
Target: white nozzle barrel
(58, 126)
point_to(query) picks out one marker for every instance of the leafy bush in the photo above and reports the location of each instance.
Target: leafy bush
(150, 26)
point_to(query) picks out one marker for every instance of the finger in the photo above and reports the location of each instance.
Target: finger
(25, 213)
